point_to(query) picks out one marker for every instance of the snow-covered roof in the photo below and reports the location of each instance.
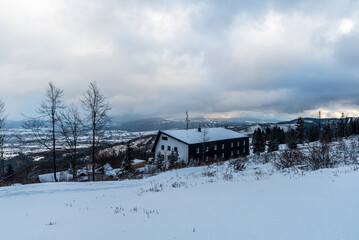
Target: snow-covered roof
(193, 136)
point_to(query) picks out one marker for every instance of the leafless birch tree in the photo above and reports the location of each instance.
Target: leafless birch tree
(71, 126)
(44, 127)
(3, 137)
(96, 109)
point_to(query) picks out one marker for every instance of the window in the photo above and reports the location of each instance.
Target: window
(215, 156)
(162, 147)
(165, 138)
(176, 149)
(206, 149)
(197, 150)
(238, 152)
(232, 153)
(244, 142)
(206, 158)
(215, 147)
(244, 150)
(238, 144)
(168, 148)
(222, 146)
(231, 144)
(222, 155)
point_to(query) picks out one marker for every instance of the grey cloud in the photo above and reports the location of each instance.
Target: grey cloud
(161, 58)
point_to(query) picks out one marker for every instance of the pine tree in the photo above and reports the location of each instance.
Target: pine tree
(10, 170)
(291, 139)
(258, 141)
(128, 160)
(172, 159)
(299, 131)
(341, 126)
(273, 142)
(313, 133)
(327, 133)
(281, 136)
(159, 161)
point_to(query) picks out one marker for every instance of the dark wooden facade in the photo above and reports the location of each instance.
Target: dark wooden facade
(224, 149)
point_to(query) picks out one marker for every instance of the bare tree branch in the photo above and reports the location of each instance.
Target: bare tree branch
(96, 108)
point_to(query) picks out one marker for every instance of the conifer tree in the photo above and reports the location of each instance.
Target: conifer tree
(291, 140)
(299, 131)
(258, 141)
(172, 159)
(273, 143)
(128, 160)
(159, 161)
(327, 133)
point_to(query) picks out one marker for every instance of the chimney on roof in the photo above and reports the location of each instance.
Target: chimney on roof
(199, 128)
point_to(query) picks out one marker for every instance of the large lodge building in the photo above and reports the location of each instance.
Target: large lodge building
(213, 143)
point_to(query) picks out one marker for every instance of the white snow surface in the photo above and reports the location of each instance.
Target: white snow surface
(192, 203)
(193, 136)
(61, 176)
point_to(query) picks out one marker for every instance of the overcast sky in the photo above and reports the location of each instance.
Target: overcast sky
(266, 59)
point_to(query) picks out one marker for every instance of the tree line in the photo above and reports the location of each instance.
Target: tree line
(270, 138)
(55, 121)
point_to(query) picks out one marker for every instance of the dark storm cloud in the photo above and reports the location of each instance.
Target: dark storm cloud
(163, 57)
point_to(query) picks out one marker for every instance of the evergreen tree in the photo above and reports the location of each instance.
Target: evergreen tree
(341, 126)
(291, 140)
(172, 159)
(128, 160)
(267, 135)
(327, 133)
(299, 131)
(159, 161)
(273, 142)
(313, 133)
(281, 136)
(258, 141)
(10, 170)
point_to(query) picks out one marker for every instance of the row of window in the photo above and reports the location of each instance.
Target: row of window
(215, 146)
(169, 148)
(244, 151)
(222, 155)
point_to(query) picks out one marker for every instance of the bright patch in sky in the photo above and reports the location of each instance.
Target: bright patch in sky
(346, 26)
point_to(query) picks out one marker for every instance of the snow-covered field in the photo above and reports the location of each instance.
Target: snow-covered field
(193, 203)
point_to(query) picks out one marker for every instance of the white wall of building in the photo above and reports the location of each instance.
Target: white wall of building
(181, 147)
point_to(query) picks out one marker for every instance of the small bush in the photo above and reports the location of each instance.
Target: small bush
(238, 165)
(289, 158)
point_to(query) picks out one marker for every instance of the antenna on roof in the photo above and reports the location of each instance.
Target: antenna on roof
(187, 120)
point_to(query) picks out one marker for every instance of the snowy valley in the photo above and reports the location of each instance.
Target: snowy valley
(261, 201)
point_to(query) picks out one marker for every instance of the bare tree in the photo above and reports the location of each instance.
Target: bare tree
(48, 119)
(96, 108)
(204, 138)
(72, 128)
(187, 120)
(3, 137)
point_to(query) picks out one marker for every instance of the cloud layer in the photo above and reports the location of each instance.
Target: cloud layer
(159, 58)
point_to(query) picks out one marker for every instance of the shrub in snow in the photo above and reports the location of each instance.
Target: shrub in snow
(208, 172)
(289, 158)
(238, 164)
(318, 156)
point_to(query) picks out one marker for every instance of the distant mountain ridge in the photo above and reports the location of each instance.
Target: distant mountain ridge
(244, 125)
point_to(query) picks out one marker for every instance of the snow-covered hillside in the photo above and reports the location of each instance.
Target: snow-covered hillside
(194, 203)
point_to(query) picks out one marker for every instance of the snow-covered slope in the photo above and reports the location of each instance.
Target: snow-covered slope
(193, 203)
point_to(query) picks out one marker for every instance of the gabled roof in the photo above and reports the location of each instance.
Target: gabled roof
(193, 136)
